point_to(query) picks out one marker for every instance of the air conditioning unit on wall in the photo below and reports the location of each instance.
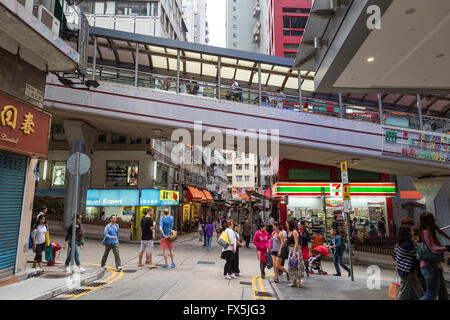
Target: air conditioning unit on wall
(27, 4)
(47, 18)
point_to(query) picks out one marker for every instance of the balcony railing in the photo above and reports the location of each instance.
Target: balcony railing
(269, 99)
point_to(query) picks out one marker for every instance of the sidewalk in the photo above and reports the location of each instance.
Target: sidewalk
(51, 281)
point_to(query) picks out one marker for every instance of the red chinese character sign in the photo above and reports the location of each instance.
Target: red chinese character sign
(418, 145)
(23, 129)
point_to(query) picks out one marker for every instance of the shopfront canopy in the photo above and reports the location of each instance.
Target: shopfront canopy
(207, 196)
(194, 194)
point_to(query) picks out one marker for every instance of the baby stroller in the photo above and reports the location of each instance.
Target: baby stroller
(315, 260)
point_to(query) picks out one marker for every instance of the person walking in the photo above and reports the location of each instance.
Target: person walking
(200, 229)
(79, 234)
(165, 226)
(204, 232)
(111, 241)
(278, 244)
(338, 253)
(209, 231)
(381, 226)
(305, 237)
(406, 264)
(218, 227)
(293, 238)
(147, 227)
(38, 235)
(335, 224)
(246, 233)
(228, 253)
(235, 267)
(433, 271)
(261, 241)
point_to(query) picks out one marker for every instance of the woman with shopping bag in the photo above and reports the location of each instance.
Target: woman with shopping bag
(406, 266)
(261, 241)
(228, 250)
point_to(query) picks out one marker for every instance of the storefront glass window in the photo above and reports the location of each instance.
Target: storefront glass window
(162, 176)
(59, 173)
(122, 173)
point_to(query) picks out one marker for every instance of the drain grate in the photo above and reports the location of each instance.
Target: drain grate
(95, 284)
(129, 271)
(206, 262)
(263, 294)
(78, 291)
(55, 276)
(245, 283)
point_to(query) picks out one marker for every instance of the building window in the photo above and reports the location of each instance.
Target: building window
(296, 10)
(247, 167)
(239, 178)
(230, 179)
(238, 155)
(86, 7)
(110, 7)
(59, 173)
(239, 167)
(291, 46)
(229, 168)
(99, 7)
(290, 55)
(122, 173)
(247, 178)
(294, 26)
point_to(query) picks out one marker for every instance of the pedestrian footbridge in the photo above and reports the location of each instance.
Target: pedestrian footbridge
(145, 90)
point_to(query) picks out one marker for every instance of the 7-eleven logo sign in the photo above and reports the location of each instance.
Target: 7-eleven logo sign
(336, 189)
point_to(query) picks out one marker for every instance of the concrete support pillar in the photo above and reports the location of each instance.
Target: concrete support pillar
(81, 137)
(436, 192)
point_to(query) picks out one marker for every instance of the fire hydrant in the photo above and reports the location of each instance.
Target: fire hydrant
(55, 248)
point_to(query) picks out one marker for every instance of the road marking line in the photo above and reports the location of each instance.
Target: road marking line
(107, 281)
(255, 289)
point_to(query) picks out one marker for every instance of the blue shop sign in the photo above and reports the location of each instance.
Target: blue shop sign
(110, 198)
(152, 197)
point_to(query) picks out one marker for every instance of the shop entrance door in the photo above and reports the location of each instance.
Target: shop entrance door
(12, 182)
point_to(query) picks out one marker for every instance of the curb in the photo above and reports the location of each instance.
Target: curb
(59, 290)
(277, 291)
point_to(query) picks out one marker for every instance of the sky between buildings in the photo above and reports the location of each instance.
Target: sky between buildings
(216, 22)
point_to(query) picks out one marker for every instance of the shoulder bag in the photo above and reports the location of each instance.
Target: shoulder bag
(424, 253)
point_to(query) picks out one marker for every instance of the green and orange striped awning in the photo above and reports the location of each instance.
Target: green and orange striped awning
(384, 189)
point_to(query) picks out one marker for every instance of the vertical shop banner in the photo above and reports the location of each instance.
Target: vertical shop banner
(186, 212)
(22, 128)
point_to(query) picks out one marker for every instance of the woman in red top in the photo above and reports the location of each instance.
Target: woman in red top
(432, 271)
(261, 241)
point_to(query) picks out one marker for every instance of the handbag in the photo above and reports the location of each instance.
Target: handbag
(47, 239)
(294, 260)
(30, 242)
(269, 261)
(48, 253)
(394, 288)
(224, 240)
(172, 235)
(424, 253)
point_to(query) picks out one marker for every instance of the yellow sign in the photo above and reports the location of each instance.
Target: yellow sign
(28, 124)
(344, 166)
(168, 195)
(346, 192)
(9, 117)
(186, 212)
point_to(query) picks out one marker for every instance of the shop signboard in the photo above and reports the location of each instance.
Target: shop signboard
(311, 189)
(23, 129)
(416, 144)
(186, 212)
(108, 198)
(155, 197)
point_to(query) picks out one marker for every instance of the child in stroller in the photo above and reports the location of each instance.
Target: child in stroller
(315, 262)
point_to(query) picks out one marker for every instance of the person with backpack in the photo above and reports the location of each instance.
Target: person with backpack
(165, 226)
(261, 241)
(406, 264)
(304, 238)
(38, 233)
(79, 234)
(111, 242)
(430, 254)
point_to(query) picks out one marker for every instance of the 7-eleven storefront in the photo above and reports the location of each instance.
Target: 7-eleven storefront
(310, 201)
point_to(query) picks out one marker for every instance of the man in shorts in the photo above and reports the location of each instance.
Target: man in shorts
(147, 239)
(165, 225)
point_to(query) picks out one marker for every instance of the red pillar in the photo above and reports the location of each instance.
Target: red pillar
(390, 215)
(283, 215)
